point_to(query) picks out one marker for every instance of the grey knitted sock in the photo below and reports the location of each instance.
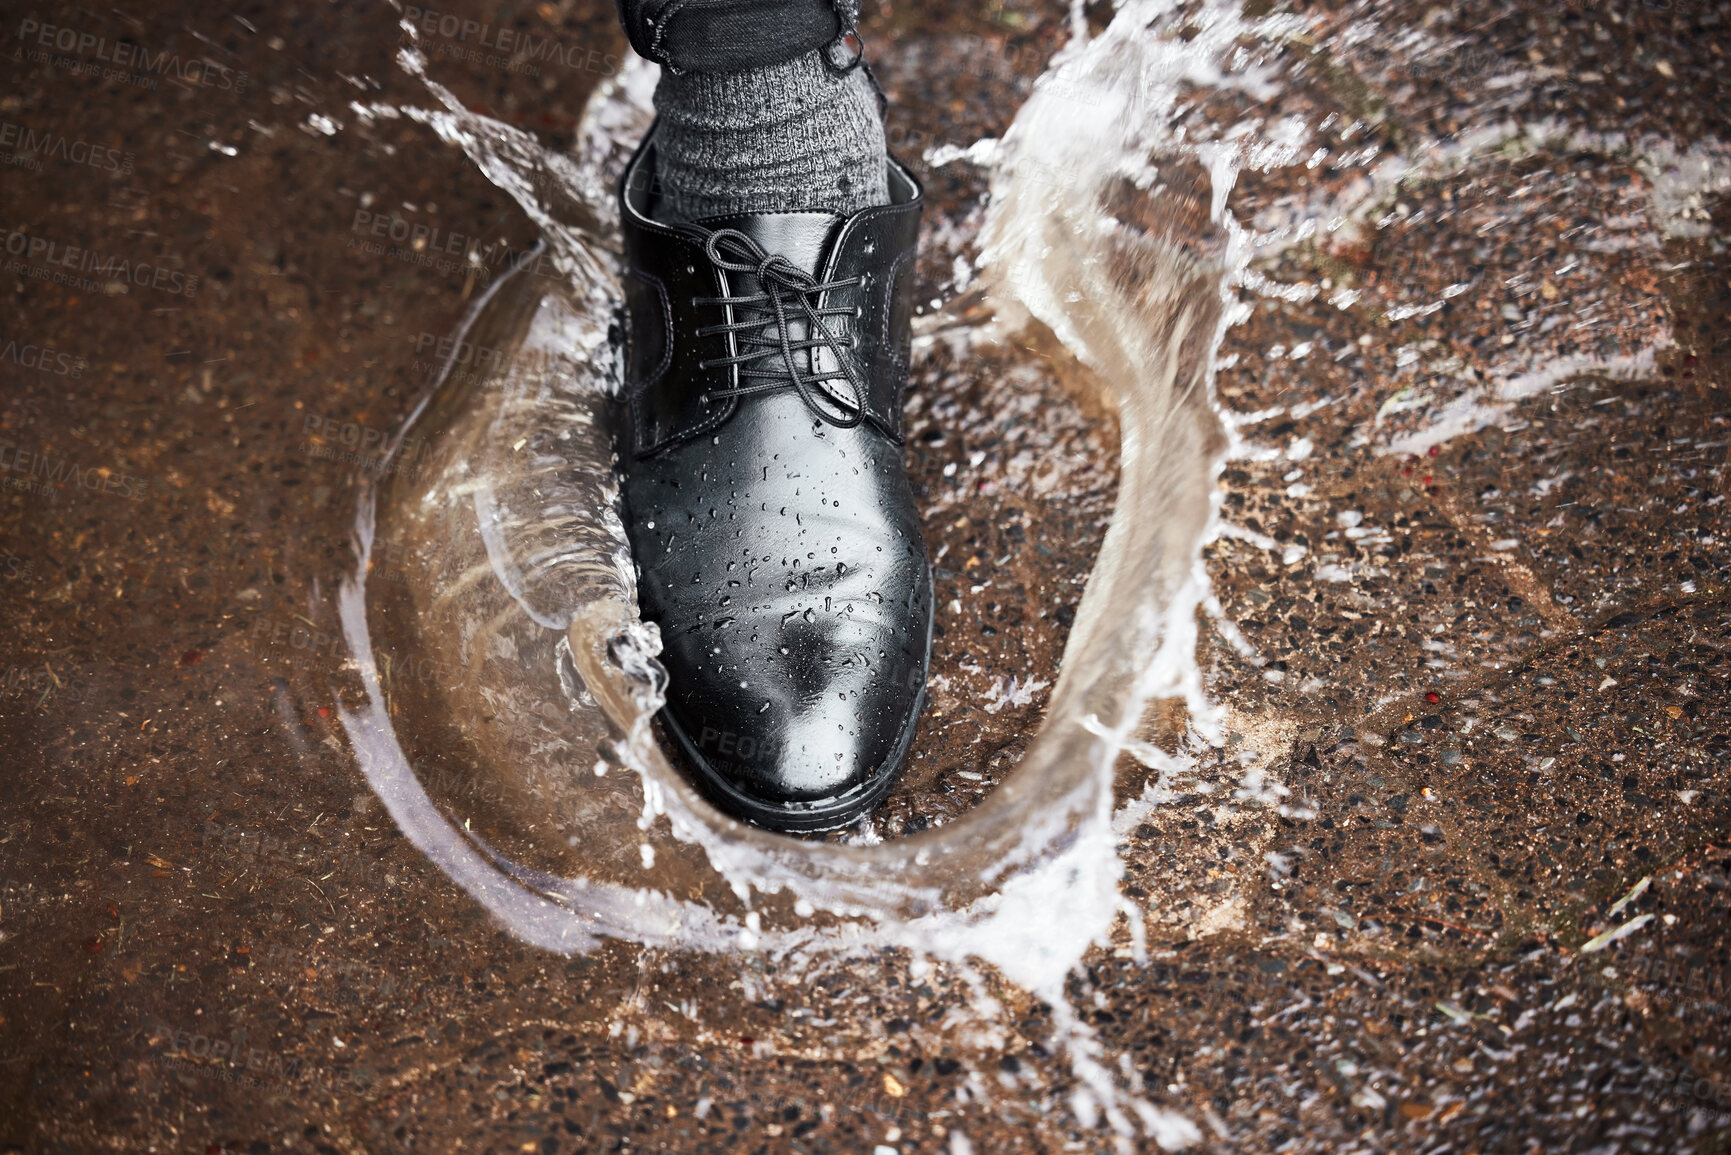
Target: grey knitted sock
(791, 136)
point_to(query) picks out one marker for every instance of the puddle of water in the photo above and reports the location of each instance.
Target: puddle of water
(519, 484)
(520, 596)
(1109, 224)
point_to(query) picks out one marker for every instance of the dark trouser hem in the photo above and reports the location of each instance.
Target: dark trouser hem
(730, 35)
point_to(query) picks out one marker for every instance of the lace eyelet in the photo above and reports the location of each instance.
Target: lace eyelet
(770, 326)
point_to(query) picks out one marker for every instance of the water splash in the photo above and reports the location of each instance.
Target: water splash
(1111, 223)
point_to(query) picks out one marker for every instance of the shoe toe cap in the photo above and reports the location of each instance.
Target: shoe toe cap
(788, 577)
(817, 713)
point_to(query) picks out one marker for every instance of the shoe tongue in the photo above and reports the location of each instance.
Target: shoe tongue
(803, 238)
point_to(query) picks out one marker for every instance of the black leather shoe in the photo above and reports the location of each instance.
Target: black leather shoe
(767, 504)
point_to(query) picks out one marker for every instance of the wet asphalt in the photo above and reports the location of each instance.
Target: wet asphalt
(1493, 677)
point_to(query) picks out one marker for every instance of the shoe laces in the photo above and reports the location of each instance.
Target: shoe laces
(769, 355)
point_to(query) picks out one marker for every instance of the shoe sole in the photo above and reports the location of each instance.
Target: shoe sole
(825, 813)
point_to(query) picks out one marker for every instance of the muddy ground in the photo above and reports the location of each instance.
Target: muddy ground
(1501, 706)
